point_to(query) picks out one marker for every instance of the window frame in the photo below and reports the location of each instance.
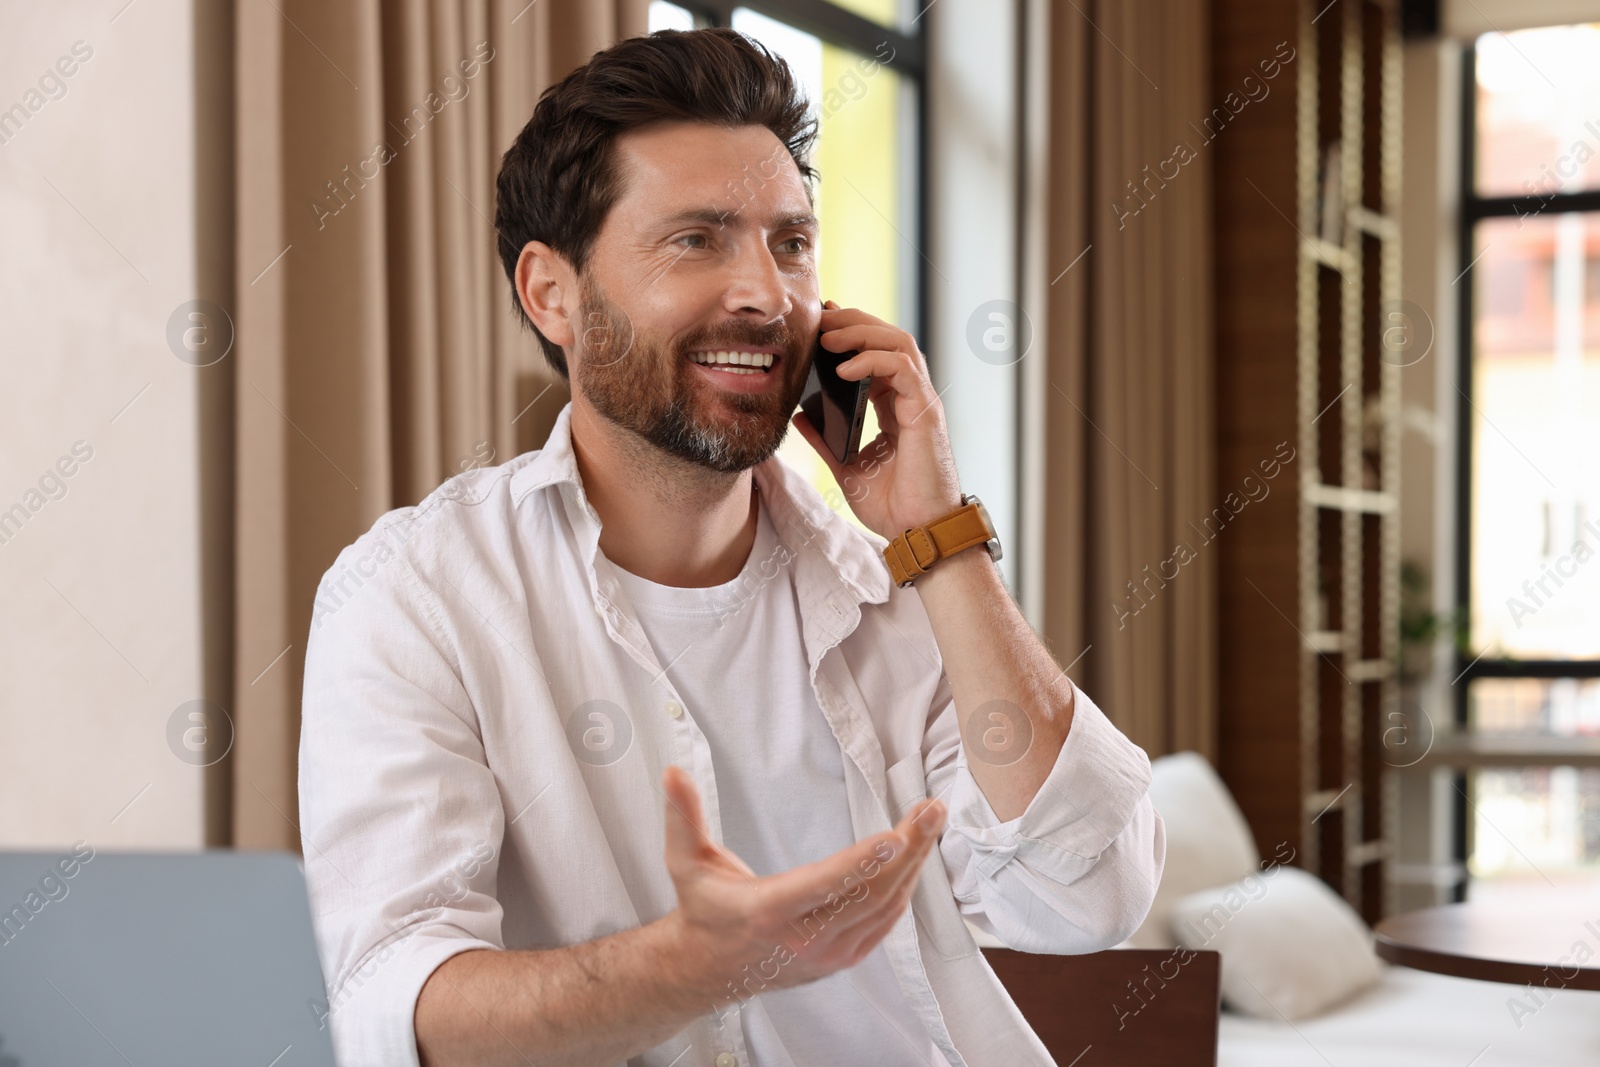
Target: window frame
(1476, 208)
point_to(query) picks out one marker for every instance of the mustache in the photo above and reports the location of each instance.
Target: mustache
(779, 336)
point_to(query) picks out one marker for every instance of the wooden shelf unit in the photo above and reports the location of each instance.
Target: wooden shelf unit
(1301, 358)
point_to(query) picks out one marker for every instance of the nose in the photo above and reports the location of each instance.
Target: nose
(758, 289)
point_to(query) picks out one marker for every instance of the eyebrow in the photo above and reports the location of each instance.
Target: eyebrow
(711, 216)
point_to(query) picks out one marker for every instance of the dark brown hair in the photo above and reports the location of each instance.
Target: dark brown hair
(559, 178)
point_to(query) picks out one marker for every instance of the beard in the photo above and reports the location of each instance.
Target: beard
(649, 388)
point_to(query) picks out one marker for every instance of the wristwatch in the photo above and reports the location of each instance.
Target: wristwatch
(916, 550)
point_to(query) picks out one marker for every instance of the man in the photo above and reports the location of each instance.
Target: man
(651, 629)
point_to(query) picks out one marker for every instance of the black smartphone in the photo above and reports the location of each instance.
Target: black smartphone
(835, 406)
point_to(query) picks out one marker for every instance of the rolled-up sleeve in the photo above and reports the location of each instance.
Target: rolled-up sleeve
(401, 822)
(1077, 870)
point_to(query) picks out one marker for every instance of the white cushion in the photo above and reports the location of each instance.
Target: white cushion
(1291, 947)
(1208, 842)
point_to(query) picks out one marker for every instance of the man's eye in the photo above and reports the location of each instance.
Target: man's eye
(693, 237)
(803, 242)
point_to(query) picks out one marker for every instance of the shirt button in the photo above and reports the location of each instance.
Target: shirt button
(675, 709)
(726, 1059)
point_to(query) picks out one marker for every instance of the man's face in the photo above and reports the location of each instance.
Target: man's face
(710, 248)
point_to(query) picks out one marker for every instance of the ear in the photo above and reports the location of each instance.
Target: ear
(543, 279)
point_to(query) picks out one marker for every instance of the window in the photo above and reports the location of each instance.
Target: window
(1529, 552)
(665, 16)
(863, 76)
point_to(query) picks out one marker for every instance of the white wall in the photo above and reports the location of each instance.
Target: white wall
(100, 632)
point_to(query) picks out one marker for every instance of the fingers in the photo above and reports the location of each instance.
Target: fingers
(900, 372)
(686, 839)
(847, 329)
(883, 403)
(868, 911)
(840, 335)
(879, 450)
(897, 378)
(837, 316)
(884, 862)
(858, 940)
(685, 825)
(882, 896)
(805, 888)
(920, 829)
(888, 865)
(927, 817)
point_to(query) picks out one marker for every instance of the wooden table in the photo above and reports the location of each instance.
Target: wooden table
(1499, 943)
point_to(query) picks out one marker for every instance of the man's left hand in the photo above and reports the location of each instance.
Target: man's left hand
(906, 476)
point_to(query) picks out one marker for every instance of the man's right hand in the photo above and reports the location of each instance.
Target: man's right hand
(790, 928)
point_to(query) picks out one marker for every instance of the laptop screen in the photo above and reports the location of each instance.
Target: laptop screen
(171, 959)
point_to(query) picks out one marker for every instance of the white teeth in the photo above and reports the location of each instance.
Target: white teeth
(758, 361)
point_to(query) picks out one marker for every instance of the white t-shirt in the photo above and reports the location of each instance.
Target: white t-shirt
(735, 654)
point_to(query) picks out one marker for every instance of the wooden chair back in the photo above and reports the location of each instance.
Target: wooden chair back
(1121, 1006)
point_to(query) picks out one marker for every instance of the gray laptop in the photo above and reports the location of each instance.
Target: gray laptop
(158, 960)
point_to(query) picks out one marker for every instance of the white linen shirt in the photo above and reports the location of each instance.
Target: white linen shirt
(485, 726)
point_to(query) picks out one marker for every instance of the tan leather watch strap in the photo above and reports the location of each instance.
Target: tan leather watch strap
(916, 550)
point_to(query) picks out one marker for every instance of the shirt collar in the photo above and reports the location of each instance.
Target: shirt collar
(804, 522)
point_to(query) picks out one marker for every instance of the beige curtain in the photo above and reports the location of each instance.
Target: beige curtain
(376, 350)
(1129, 404)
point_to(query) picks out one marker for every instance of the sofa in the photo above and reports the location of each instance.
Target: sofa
(1366, 1013)
(1305, 987)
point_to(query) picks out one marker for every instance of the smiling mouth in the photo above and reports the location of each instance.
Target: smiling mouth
(730, 362)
